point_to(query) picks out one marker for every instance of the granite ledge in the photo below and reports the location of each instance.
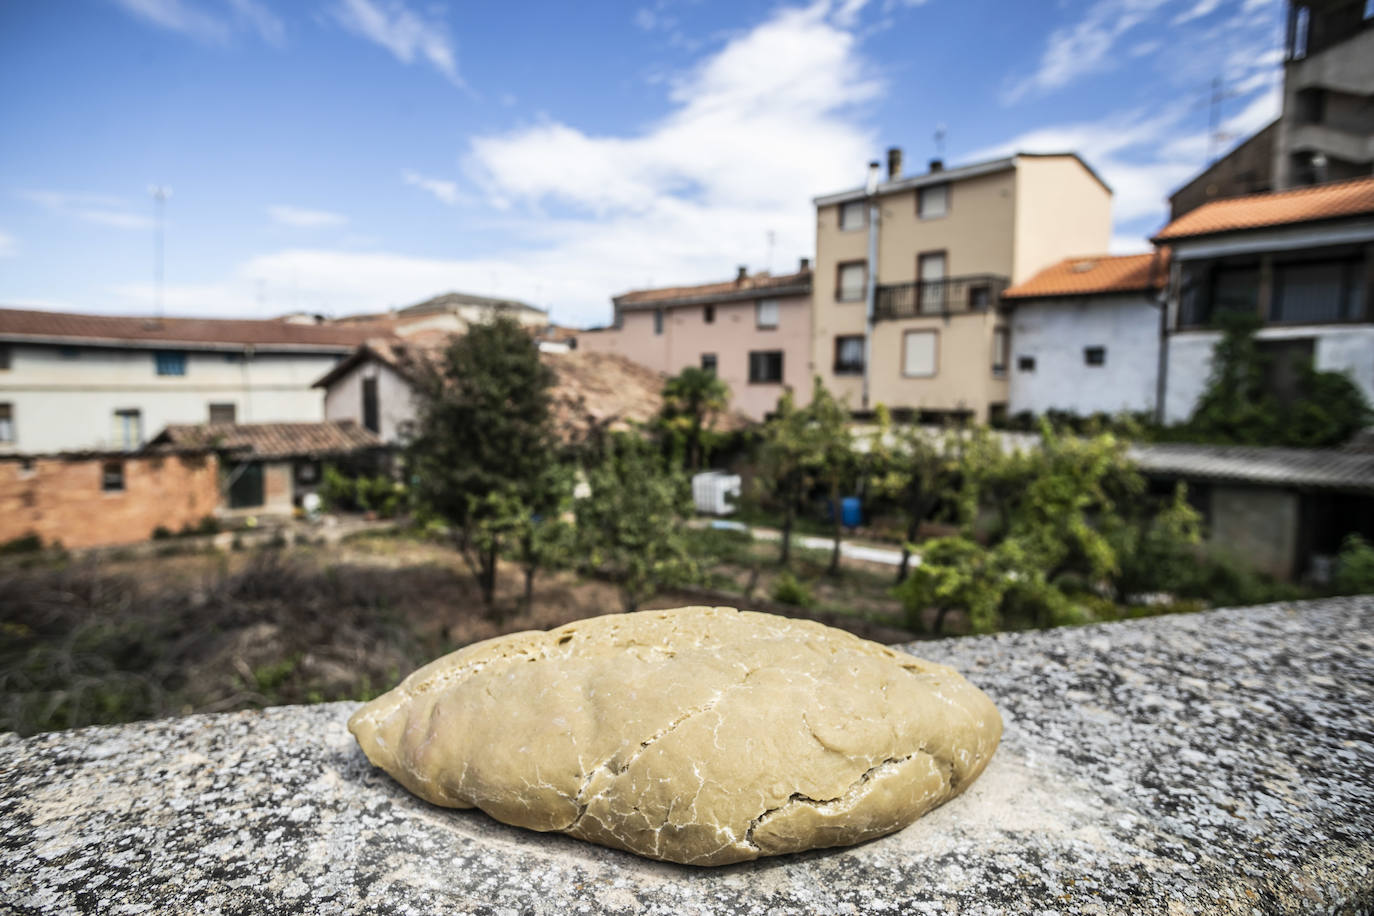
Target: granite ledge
(1210, 763)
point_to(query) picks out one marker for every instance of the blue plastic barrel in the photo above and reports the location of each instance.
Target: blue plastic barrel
(850, 515)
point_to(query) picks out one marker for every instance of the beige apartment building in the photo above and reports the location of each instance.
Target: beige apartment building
(948, 243)
(753, 331)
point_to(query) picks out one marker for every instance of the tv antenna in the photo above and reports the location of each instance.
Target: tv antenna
(1216, 137)
(160, 194)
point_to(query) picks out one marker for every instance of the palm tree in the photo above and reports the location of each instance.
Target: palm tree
(692, 400)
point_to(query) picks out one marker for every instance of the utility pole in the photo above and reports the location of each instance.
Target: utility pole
(160, 194)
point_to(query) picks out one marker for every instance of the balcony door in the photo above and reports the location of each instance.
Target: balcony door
(930, 279)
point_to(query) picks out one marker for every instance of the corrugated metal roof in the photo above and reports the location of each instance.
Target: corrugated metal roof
(1334, 469)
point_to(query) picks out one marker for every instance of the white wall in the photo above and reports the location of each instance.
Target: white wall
(68, 404)
(395, 405)
(1348, 349)
(1055, 332)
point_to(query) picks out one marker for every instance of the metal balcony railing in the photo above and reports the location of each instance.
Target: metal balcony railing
(950, 296)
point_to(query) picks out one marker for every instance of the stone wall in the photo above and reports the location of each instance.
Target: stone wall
(1204, 763)
(63, 498)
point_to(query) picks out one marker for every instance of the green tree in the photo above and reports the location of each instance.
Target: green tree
(692, 401)
(483, 453)
(631, 526)
(785, 456)
(831, 456)
(908, 467)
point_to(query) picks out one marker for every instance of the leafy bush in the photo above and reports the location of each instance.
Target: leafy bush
(162, 533)
(25, 543)
(789, 590)
(1355, 567)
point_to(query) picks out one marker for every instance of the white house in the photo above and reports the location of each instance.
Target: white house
(1085, 336)
(1301, 260)
(72, 382)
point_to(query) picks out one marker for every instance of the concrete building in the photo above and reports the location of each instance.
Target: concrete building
(1282, 511)
(72, 382)
(1301, 260)
(1246, 169)
(754, 332)
(1085, 336)
(948, 242)
(1326, 132)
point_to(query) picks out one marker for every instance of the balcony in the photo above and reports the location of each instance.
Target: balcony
(950, 296)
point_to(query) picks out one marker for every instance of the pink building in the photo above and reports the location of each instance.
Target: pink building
(754, 331)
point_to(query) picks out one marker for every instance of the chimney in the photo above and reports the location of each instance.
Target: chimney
(937, 165)
(805, 265)
(742, 275)
(894, 163)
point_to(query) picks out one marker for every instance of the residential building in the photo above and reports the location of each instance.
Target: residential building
(1301, 261)
(450, 313)
(93, 499)
(592, 391)
(949, 242)
(268, 468)
(1085, 335)
(1326, 132)
(753, 331)
(1281, 511)
(71, 381)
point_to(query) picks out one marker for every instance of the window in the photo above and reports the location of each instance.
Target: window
(849, 355)
(223, 413)
(1095, 356)
(765, 366)
(658, 321)
(853, 215)
(4, 356)
(708, 362)
(1317, 292)
(851, 281)
(918, 354)
(371, 418)
(708, 314)
(170, 362)
(930, 272)
(307, 472)
(932, 201)
(7, 423)
(1297, 47)
(128, 428)
(68, 353)
(1025, 364)
(1001, 347)
(112, 476)
(1209, 289)
(766, 313)
(979, 296)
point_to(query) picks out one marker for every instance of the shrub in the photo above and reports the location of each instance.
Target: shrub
(25, 543)
(1355, 567)
(789, 590)
(162, 533)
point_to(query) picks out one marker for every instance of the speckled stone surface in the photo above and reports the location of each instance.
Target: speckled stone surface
(1213, 763)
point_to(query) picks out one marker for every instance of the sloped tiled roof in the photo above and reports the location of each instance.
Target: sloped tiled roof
(271, 440)
(121, 330)
(1280, 208)
(1092, 275)
(750, 287)
(1335, 469)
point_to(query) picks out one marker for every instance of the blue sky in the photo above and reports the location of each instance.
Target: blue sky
(350, 155)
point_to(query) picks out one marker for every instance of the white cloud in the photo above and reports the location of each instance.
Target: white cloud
(302, 218)
(181, 16)
(99, 209)
(1084, 47)
(403, 32)
(1197, 11)
(9, 246)
(444, 191)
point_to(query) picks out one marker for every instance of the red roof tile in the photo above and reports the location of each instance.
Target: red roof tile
(20, 324)
(1089, 276)
(271, 440)
(748, 287)
(1281, 208)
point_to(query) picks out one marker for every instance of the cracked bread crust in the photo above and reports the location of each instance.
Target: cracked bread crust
(699, 735)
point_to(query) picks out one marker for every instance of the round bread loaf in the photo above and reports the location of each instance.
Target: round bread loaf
(698, 735)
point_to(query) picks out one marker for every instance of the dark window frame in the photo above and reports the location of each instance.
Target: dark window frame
(710, 362)
(170, 362)
(112, 477)
(839, 275)
(758, 378)
(862, 206)
(1001, 355)
(920, 197)
(1095, 356)
(8, 436)
(708, 314)
(371, 407)
(943, 298)
(1025, 364)
(840, 367)
(6, 357)
(658, 322)
(221, 407)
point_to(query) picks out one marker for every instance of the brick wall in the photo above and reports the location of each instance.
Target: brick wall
(61, 498)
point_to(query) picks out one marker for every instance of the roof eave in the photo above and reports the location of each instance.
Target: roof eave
(157, 344)
(797, 289)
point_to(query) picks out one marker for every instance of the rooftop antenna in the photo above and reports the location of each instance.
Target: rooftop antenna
(1216, 137)
(160, 194)
(940, 140)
